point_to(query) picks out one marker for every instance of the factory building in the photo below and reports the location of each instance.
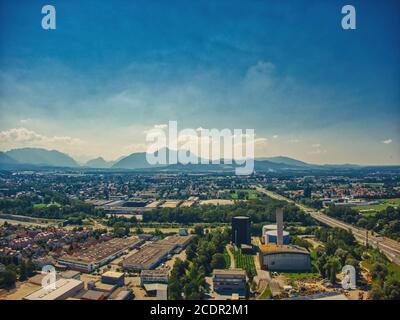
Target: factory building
(241, 230)
(154, 276)
(63, 289)
(229, 282)
(284, 258)
(277, 255)
(91, 258)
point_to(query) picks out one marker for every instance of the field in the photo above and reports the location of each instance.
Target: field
(43, 205)
(384, 203)
(245, 194)
(244, 261)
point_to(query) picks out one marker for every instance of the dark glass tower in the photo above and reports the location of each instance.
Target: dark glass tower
(241, 230)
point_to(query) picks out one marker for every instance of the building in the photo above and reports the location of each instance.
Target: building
(158, 290)
(93, 295)
(70, 274)
(91, 258)
(114, 278)
(153, 276)
(63, 289)
(148, 257)
(151, 255)
(271, 236)
(228, 282)
(241, 230)
(284, 258)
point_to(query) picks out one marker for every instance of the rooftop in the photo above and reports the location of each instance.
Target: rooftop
(273, 248)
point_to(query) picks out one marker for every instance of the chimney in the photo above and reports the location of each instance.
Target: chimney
(279, 225)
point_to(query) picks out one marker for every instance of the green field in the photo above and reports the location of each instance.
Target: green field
(249, 194)
(384, 203)
(43, 205)
(244, 261)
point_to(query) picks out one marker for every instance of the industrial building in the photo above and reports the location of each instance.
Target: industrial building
(63, 289)
(113, 278)
(153, 276)
(228, 282)
(276, 254)
(151, 255)
(272, 237)
(241, 230)
(284, 258)
(91, 258)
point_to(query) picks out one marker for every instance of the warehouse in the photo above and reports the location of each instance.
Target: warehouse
(91, 258)
(148, 257)
(153, 276)
(64, 288)
(151, 255)
(284, 258)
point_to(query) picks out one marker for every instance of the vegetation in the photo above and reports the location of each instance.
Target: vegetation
(385, 222)
(14, 269)
(206, 252)
(244, 261)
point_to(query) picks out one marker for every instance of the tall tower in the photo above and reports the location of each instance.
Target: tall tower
(279, 225)
(241, 230)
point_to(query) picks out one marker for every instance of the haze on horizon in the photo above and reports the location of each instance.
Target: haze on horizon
(112, 71)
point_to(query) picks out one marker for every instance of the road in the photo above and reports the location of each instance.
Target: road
(389, 247)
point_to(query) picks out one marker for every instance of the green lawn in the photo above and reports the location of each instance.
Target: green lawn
(384, 203)
(267, 294)
(250, 194)
(43, 205)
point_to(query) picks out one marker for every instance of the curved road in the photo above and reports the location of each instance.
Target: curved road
(389, 247)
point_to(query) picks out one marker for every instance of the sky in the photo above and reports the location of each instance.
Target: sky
(112, 70)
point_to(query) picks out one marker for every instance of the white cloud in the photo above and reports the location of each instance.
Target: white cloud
(22, 137)
(316, 145)
(387, 141)
(275, 136)
(161, 126)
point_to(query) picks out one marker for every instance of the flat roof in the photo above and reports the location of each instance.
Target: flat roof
(101, 250)
(273, 248)
(112, 274)
(229, 272)
(61, 287)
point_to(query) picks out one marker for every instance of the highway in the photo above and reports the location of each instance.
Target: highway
(389, 247)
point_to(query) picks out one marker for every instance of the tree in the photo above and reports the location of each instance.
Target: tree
(379, 272)
(198, 230)
(7, 278)
(391, 289)
(218, 261)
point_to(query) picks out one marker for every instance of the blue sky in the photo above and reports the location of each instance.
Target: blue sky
(113, 69)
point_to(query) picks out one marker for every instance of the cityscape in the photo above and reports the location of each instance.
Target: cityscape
(229, 154)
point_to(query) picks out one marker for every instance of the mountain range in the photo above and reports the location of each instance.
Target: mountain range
(37, 158)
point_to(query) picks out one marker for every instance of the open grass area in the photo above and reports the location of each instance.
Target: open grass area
(244, 261)
(267, 294)
(300, 276)
(245, 194)
(44, 205)
(383, 204)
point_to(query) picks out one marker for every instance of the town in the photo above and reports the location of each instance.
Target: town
(158, 236)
